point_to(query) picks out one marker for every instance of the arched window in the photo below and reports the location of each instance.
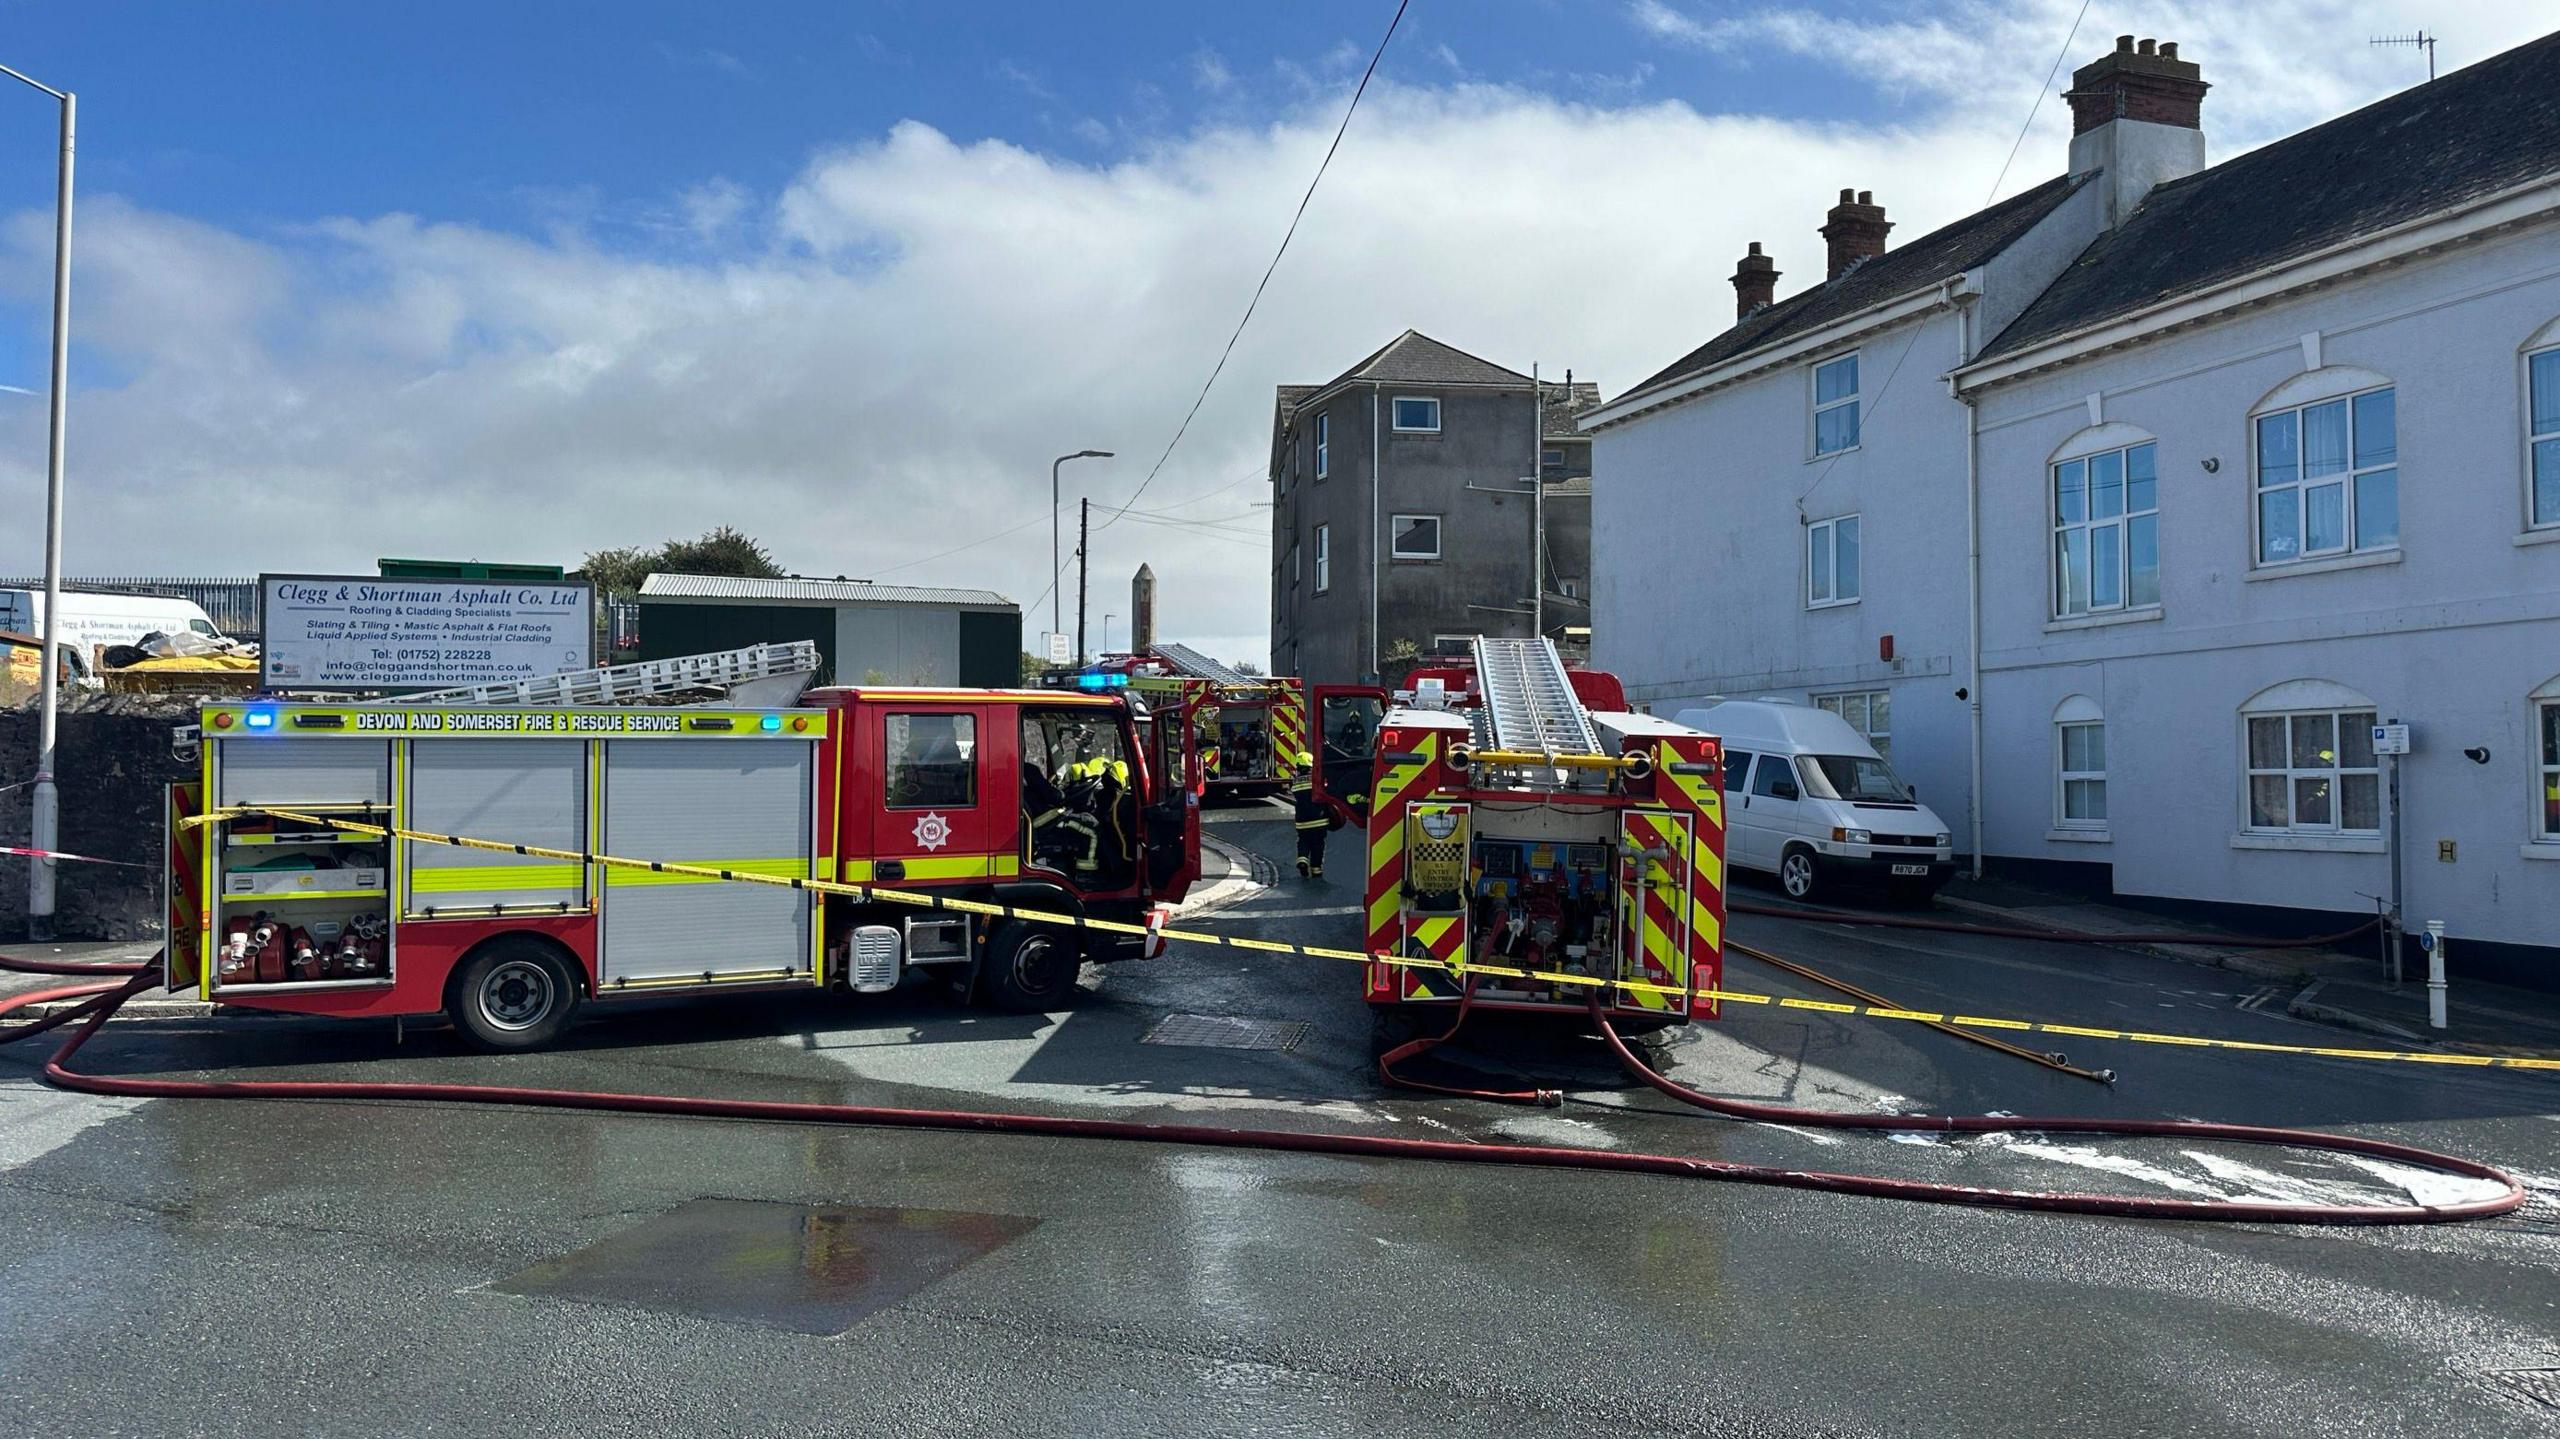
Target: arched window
(2542, 428)
(2106, 521)
(2546, 757)
(2311, 768)
(2325, 466)
(2080, 761)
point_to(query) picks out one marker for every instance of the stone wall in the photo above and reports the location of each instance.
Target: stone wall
(114, 768)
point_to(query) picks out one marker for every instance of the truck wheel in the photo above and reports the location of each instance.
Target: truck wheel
(1032, 968)
(1799, 874)
(512, 994)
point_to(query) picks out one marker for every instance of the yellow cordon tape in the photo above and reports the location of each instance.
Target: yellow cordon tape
(1451, 967)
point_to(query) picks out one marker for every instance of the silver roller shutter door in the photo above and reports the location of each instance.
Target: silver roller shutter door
(517, 791)
(715, 802)
(288, 770)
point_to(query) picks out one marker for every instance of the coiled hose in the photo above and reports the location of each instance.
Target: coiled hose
(103, 999)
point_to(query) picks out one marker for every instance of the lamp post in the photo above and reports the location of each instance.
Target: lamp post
(1057, 618)
(46, 832)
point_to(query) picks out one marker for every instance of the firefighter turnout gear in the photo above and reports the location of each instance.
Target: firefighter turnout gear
(1313, 819)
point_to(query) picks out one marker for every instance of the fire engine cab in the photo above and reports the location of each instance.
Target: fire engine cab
(1524, 817)
(1057, 802)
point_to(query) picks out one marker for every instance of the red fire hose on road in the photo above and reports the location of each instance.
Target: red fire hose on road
(104, 999)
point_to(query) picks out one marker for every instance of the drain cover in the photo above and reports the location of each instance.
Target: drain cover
(1221, 1031)
(2535, 1386)
(816, 1270)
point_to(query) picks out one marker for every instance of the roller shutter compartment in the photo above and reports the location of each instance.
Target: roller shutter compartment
(517, 791)
(726, 804)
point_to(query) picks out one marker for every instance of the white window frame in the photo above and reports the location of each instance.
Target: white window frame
(1324, 559)
(1823, 536)
(1395, 543)
(2293, 775)
(2534, 481)
(1452, 644)
(2302, 485)
(2544, 709)
(1395, 414)
(2078, 713)
(1816, 406)
(2089, 523)
(1324, 444)
(1857, 708)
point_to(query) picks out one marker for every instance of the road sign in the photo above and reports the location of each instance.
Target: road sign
(1057, 648)
(2391, 739)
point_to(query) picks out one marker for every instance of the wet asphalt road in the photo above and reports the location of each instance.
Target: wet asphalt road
(203, 1267)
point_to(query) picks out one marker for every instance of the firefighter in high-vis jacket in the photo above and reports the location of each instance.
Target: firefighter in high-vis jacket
(1313, 820)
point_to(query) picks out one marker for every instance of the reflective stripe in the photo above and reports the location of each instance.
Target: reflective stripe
(942, 866)
(793, 868)
(494, 878)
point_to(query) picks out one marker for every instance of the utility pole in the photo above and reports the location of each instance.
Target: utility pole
(46, 808)
(1084, 533)
(1537, 505)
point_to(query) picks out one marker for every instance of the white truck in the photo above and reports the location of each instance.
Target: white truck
(89, 622)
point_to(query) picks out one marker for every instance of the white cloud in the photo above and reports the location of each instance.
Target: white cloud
(879, 361)
(1209, 72)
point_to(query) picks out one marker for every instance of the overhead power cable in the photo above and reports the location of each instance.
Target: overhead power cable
(1291, 233)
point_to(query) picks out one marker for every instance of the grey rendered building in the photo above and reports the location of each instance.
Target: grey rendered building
(1402, 509)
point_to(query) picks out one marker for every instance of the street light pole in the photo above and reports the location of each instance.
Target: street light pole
(1107, 618)
(46, 832)
(1057, 601)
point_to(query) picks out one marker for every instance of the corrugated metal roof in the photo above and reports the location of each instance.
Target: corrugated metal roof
(739, 587)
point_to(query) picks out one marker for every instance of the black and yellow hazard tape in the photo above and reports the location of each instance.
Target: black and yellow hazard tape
(1456, 967)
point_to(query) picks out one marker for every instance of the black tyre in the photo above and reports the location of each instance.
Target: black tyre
(1800, 874)
(512, 994)
(1031, 968)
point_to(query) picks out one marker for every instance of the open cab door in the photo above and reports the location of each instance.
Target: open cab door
(1173, 805)
(1346, 721)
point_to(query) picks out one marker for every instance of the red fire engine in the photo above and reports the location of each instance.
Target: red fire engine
(1525, 818)
(1250, 729)
(1036, 799)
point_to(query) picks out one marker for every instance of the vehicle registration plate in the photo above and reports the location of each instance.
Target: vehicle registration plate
(1911, 869)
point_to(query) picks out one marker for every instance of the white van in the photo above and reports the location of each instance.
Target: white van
(90, 621)
(1807, 799)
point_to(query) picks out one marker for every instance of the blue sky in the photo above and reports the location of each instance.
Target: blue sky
(522, 281)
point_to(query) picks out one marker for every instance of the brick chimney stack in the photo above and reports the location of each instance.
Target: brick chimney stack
(1755, 283)
(2137, 116)
(1855, 229)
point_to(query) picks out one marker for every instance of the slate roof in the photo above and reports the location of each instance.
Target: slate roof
(1414, 358)
(1565, 404)
(2479, 130)
(1949, 250)
(739, 587)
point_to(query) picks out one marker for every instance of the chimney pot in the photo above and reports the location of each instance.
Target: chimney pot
(1855, 229)
(2150, 84)
(1755, 283)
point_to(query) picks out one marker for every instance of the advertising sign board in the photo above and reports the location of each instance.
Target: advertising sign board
(360, 632)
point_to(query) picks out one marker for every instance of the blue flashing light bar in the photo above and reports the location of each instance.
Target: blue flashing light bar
(1109, 681)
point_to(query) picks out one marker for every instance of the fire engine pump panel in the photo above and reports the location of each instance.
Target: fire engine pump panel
(285, 906)
(1538, 833)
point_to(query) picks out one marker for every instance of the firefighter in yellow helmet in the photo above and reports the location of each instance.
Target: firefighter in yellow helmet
(1313, 821)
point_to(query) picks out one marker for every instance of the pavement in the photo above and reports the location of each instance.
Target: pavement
(202, 1266)
(2344, 986)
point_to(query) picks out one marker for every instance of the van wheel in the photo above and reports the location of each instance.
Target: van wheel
(1032, 968)
(512, 994)
(1799, 874)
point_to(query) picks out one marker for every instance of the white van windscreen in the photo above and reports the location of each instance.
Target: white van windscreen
(1856, 779)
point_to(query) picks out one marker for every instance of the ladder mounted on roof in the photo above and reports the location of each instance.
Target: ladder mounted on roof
(790, 665)
(1199, 666)
(1529, 700)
